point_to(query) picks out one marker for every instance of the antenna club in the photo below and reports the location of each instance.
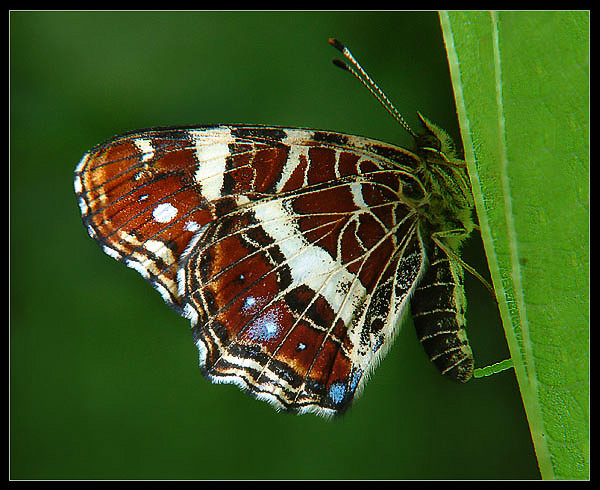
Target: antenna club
(336, 44)
(340, 64)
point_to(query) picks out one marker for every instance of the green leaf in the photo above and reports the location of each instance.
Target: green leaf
(521, 83)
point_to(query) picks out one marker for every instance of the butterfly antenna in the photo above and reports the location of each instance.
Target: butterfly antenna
(354, 67)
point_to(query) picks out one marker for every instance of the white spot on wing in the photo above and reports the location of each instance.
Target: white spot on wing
(165, 212)
(192, 226)
(145, 146)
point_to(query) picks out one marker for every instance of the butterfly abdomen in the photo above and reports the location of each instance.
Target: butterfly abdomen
(438, 310)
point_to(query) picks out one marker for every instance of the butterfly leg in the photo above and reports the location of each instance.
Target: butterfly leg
(459, 233)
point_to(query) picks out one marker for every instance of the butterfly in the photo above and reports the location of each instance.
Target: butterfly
(295, 253)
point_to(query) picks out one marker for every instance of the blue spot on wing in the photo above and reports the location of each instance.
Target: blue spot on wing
(264, 328)
(355, 378)
(342, 392)
(337, 392)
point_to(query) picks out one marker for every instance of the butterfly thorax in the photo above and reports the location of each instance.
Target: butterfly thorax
(448, 204)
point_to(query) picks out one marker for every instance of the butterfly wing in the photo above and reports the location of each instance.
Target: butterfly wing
(293, 252)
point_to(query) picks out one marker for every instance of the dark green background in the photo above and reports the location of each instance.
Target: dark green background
(104, 380)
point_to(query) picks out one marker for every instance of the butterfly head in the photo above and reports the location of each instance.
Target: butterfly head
(432, 138)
